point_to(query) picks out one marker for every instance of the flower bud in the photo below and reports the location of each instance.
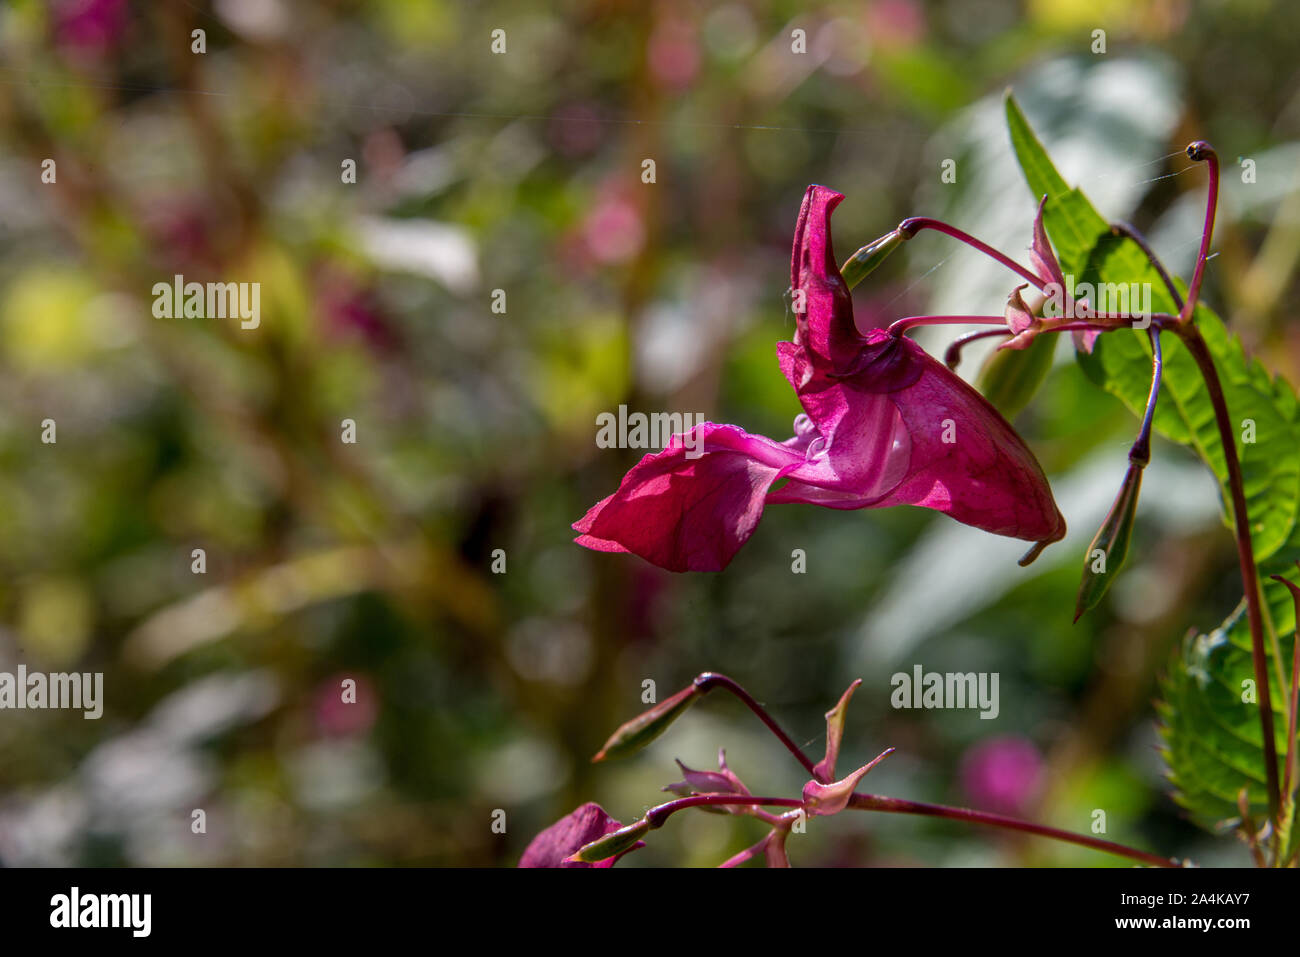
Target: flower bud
(863, 262)
(634, 735)
(613, 843)
(1109, 546)
(722, 781)
(555, 846)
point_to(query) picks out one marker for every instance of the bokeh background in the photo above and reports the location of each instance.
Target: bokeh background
(476, 429)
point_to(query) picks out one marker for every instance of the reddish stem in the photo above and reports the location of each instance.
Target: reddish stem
(899, 326)
(910, 227)
(1104, 322)
(1289, 773)
(709, 680)
(1191, 337)
(952, 355)
(656, 816)
(1130, 232)
(1201, 150)
(875, 802)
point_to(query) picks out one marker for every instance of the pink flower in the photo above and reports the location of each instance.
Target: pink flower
(1004, 775)
(340, 716)
(565, 836)
(613, 231)
(349, 307)
(673, 54)
(883, 424)
(92, 28)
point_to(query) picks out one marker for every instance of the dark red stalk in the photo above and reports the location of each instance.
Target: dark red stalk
(952, 355)
(1129, 232)
(656, 816)
(899, 326)
(710, 680)
(1201, 150)
(875, 802)
(1192, 338)
(1288, 778)
(910, 227)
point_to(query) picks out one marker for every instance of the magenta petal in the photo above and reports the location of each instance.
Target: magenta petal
(860, 447)
(861, 459)
(935, 443)
(968, 462)
(565, 836)
(940, 446)
(690, 514)
(824, 327)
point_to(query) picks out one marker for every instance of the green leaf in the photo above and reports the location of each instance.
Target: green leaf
(1213, 742)
(1212, 739)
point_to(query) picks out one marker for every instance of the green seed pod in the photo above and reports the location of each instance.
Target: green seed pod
(863, 262)
(1109, 546)
(634, 735)
(615, 842)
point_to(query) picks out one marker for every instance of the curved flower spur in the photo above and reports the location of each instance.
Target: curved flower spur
(883, 424)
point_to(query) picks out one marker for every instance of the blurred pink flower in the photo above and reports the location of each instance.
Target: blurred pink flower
(89, 28)
(896, 23)
(349, 308)
(184, 232)
(1003, 775)
(673, 54)
(613, 231)
(575, 129)
(342, 718)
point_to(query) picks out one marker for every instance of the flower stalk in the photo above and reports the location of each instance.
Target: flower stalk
(910, 227)
(876, 802)
(1288, 779)
(1187, 332)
